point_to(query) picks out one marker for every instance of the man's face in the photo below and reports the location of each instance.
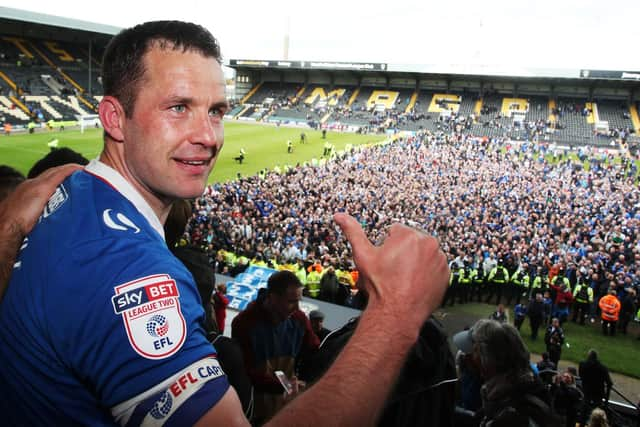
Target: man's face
(172, 140)
(283, 306)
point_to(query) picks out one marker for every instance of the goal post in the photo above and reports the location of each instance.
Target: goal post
(88, 120)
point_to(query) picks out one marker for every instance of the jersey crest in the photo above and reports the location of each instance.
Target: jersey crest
(56, 200)
(150, 310)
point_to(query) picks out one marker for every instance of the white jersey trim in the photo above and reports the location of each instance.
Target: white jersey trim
(124, 187)
(181, 386)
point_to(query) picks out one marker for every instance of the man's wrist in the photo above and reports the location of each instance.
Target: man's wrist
(405, 331)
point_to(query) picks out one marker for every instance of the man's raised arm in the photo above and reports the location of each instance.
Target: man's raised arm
(19, 213)
(405, 278)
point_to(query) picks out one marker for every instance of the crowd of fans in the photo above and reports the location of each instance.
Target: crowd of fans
(367, 118)
(527, 207)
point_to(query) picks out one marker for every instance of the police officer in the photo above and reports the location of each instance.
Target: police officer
(540, 282)
(520, 282)
(478, 282)
(465, 280)
(452, 290)
(583, 298)
(313, 280)
(497, 280)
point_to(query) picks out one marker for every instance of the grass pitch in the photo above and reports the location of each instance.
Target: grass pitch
(265, 146)
(619, 353)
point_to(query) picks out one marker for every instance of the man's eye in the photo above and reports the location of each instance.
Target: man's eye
(216, 112)
(180, 108)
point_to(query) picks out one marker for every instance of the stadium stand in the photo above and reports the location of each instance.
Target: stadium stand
(47, 74)
(616, 114)
(233, 112)
(44, 78)
(10, 112)
(270, 93)
(538, 109)
(571, 115)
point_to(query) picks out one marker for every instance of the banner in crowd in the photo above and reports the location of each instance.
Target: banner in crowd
(244, 288)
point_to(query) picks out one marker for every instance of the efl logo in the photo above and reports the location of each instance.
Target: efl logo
(162, 406)
(183, 387)
(150, 310)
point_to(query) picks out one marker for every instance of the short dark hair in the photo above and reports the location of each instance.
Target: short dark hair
(56, 157)
(123, 60)
(10, 178)
(280, 281)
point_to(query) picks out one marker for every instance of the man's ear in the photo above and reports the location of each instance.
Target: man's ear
(112, 117)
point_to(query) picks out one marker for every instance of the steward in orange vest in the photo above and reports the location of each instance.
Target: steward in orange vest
(610, 307)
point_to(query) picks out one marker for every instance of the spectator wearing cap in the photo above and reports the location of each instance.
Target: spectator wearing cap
(470, 381)
(317, 324)
(511, 395)
(546, 368)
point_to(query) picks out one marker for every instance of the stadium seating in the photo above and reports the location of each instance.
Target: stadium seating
(46, 80)
(571, 118)
(613, 112)
(42, 80)
(538, 108)
(12, 113)
(274, 92)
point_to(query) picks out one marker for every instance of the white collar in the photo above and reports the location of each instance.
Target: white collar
(124, 187)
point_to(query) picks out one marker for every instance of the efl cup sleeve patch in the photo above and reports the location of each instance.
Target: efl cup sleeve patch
(150, 310)
(179, 400)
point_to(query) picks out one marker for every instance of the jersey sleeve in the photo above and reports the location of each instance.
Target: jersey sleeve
(130, 328)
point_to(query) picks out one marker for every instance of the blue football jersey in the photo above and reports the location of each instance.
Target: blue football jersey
(101, 324)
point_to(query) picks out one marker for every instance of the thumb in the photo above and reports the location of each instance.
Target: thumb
(354, 233)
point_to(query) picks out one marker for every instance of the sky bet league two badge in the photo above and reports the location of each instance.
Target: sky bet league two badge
(150, 310)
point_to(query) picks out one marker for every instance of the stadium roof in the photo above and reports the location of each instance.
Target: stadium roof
(447, 70)
(21, 23)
